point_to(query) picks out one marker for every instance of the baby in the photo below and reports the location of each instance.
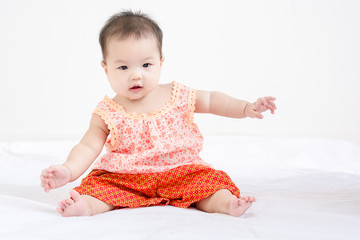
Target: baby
(152, 143)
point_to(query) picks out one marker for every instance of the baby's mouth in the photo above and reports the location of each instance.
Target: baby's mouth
(135, 88)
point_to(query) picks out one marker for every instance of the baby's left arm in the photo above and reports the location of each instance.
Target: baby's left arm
(221, 104)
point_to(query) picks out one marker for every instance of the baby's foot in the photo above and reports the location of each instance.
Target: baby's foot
(238, 206)
(74, 206)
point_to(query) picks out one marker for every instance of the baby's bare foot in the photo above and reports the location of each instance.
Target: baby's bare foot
(74, 206)
(238, 206)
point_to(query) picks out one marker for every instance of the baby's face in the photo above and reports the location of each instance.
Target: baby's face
(133, 66)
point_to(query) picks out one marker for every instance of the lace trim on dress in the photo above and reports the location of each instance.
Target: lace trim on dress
(114, 138)
(191, 107)
(165, 108)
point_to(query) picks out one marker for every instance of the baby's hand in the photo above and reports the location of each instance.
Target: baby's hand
(254, 110)
(54, 177)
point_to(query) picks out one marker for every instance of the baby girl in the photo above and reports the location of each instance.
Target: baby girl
(148, 130)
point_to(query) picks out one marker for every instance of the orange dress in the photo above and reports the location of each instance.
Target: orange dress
(157, 142)
(149, 155)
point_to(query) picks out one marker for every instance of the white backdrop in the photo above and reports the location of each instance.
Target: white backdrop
(305, 52)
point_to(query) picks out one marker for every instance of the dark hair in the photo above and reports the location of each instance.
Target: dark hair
(129, 24)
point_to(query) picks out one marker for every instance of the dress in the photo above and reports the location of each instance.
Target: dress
(157, 142)
(153, 159)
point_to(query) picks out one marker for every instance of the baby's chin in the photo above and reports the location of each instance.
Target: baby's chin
(136, 97)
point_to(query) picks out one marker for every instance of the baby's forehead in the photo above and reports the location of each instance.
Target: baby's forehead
(117, 40)
(133, 36)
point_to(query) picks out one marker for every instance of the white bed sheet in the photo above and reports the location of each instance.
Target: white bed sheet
(305, 189)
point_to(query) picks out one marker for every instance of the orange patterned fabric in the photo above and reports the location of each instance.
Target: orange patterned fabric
(180, 187)
(156, 142)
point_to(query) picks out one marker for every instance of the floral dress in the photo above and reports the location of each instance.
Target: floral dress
(160, 141)
(153, 159)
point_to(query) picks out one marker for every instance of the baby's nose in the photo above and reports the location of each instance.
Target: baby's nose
(137, 74)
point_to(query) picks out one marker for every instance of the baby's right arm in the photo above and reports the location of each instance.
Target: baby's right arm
(80, 157)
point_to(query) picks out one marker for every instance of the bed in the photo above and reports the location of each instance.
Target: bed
(305, 189)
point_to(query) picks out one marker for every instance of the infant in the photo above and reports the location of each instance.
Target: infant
(148, 129)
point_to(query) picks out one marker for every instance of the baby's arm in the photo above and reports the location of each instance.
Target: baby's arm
(221, 104)
(80, 157)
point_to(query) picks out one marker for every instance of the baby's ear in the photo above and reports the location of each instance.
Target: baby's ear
(162, 59)
(104, 66)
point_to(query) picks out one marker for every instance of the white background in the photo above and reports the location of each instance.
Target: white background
(306, 53)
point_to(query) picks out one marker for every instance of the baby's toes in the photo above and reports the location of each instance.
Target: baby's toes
(62, 204)
(60, 210)
(251, 199)
(246, 198)
(69, 202)
(242, 202)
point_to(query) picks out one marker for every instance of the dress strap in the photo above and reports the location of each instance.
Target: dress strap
(191, 107)
(106, 112)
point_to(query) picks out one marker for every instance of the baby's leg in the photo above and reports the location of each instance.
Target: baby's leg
(82, 205)
(223, 201)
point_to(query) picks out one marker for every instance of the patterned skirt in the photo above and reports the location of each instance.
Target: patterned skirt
(180, 187)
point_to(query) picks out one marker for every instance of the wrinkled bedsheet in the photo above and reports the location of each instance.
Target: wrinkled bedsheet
(305, 189)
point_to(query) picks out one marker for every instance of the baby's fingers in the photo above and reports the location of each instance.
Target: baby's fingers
(42, 181)
(270, 98)
(264, 101)
(270, 104)
(45, 179)
(272, 107)
(260, 102)
(255, 114)
(44, 172)
(48, 171)
(45, 184)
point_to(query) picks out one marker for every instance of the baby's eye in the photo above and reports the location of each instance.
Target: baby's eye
(123, 67)
(146, 65)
